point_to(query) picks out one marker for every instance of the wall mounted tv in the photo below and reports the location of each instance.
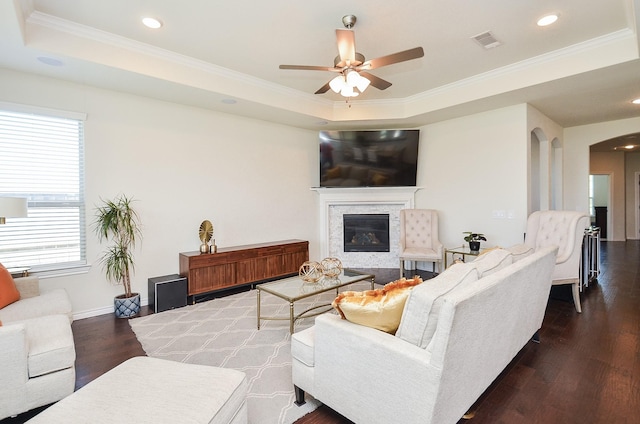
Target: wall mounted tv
(381, 158)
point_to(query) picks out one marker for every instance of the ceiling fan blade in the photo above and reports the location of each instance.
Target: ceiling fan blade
(403, 56)
(323, 89)
(346, 46)
(378, 83)
(309, 68)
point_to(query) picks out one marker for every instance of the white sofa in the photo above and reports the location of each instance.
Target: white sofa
(37, 353)
(458, 331)
(36, 301)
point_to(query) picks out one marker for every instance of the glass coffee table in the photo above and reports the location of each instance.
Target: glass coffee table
(294, 289)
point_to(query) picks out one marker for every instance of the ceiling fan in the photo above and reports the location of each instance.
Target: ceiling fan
(352, 66)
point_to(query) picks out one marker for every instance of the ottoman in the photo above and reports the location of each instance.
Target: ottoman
(151, 390)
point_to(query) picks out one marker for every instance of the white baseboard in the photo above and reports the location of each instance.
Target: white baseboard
(102, 310)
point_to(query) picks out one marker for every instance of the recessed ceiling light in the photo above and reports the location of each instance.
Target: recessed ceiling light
(229, 101)
(629, 146)
(50, 61)
(547, 20)
(636, 101)
(152, 23)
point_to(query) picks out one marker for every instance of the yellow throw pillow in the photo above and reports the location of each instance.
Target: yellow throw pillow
(380, 308)
(8, 291)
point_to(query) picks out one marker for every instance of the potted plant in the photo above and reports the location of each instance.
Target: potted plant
(118, 222)
(474, 240)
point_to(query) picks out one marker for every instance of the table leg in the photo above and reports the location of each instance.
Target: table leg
(258, 309)
(291, 321)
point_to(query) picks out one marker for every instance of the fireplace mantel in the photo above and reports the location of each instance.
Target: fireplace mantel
(336, 201)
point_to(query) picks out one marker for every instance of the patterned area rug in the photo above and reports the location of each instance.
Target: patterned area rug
(222, 332)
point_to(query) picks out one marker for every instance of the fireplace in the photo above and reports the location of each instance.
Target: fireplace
(336, 202)
(366, 232)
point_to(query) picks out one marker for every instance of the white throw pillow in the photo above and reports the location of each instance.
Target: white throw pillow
(421, 310)
(492, 261)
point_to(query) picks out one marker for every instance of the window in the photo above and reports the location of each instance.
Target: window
(42, 159)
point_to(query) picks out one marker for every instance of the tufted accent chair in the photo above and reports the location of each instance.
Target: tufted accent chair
(419, 237)
(564, 229)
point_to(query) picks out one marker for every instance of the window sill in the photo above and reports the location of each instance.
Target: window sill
(62, 272)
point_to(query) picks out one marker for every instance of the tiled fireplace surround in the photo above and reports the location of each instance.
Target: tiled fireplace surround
(335, 202)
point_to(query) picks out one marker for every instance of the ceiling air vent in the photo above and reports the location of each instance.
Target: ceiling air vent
(487, 40)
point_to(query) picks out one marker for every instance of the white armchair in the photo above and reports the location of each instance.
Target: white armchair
(564, 229)
(419, 237)
(37, 353)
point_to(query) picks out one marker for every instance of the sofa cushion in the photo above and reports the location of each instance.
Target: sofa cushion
(8, 291)
(420, 316)
(50, 343)
(380, 308)
(302, 346)
(492, 261)
(520, 251)
(50, 302)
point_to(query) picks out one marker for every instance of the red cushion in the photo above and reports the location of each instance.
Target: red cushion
(8, 291)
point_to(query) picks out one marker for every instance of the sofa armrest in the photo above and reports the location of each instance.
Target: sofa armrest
(352, 361)
(13, 355)
(13, 369)
(28, 286)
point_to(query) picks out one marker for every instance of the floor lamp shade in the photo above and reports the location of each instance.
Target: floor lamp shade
(12, 207)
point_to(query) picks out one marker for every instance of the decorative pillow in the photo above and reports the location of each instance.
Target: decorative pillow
(420, 316)
(8, 291)
(380, 308)
(492, 261)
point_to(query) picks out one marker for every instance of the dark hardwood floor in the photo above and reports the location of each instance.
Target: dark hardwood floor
(585, 370)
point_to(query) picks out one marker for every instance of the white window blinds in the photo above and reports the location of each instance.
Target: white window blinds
(42, 159)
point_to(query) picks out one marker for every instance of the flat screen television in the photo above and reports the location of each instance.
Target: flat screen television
(380, 158)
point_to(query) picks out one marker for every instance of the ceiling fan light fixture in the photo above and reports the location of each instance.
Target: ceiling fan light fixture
(362, 84)
(337, 84)
(347, 91)
(352, 77)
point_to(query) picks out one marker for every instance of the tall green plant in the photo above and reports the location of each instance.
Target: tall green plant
(118, 222)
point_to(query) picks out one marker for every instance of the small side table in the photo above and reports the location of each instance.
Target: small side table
(461, 250)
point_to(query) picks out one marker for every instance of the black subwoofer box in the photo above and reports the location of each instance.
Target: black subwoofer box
(167, 292)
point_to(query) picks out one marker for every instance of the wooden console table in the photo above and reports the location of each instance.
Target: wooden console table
(240, 265)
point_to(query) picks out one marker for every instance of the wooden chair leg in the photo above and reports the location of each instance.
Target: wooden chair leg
(401, 268)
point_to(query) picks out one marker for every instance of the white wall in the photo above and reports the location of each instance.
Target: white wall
(612, 164)
(545, 139)
(473, 169)
(250, 178)
(576, 161)
(576, 156)
(632, 194)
